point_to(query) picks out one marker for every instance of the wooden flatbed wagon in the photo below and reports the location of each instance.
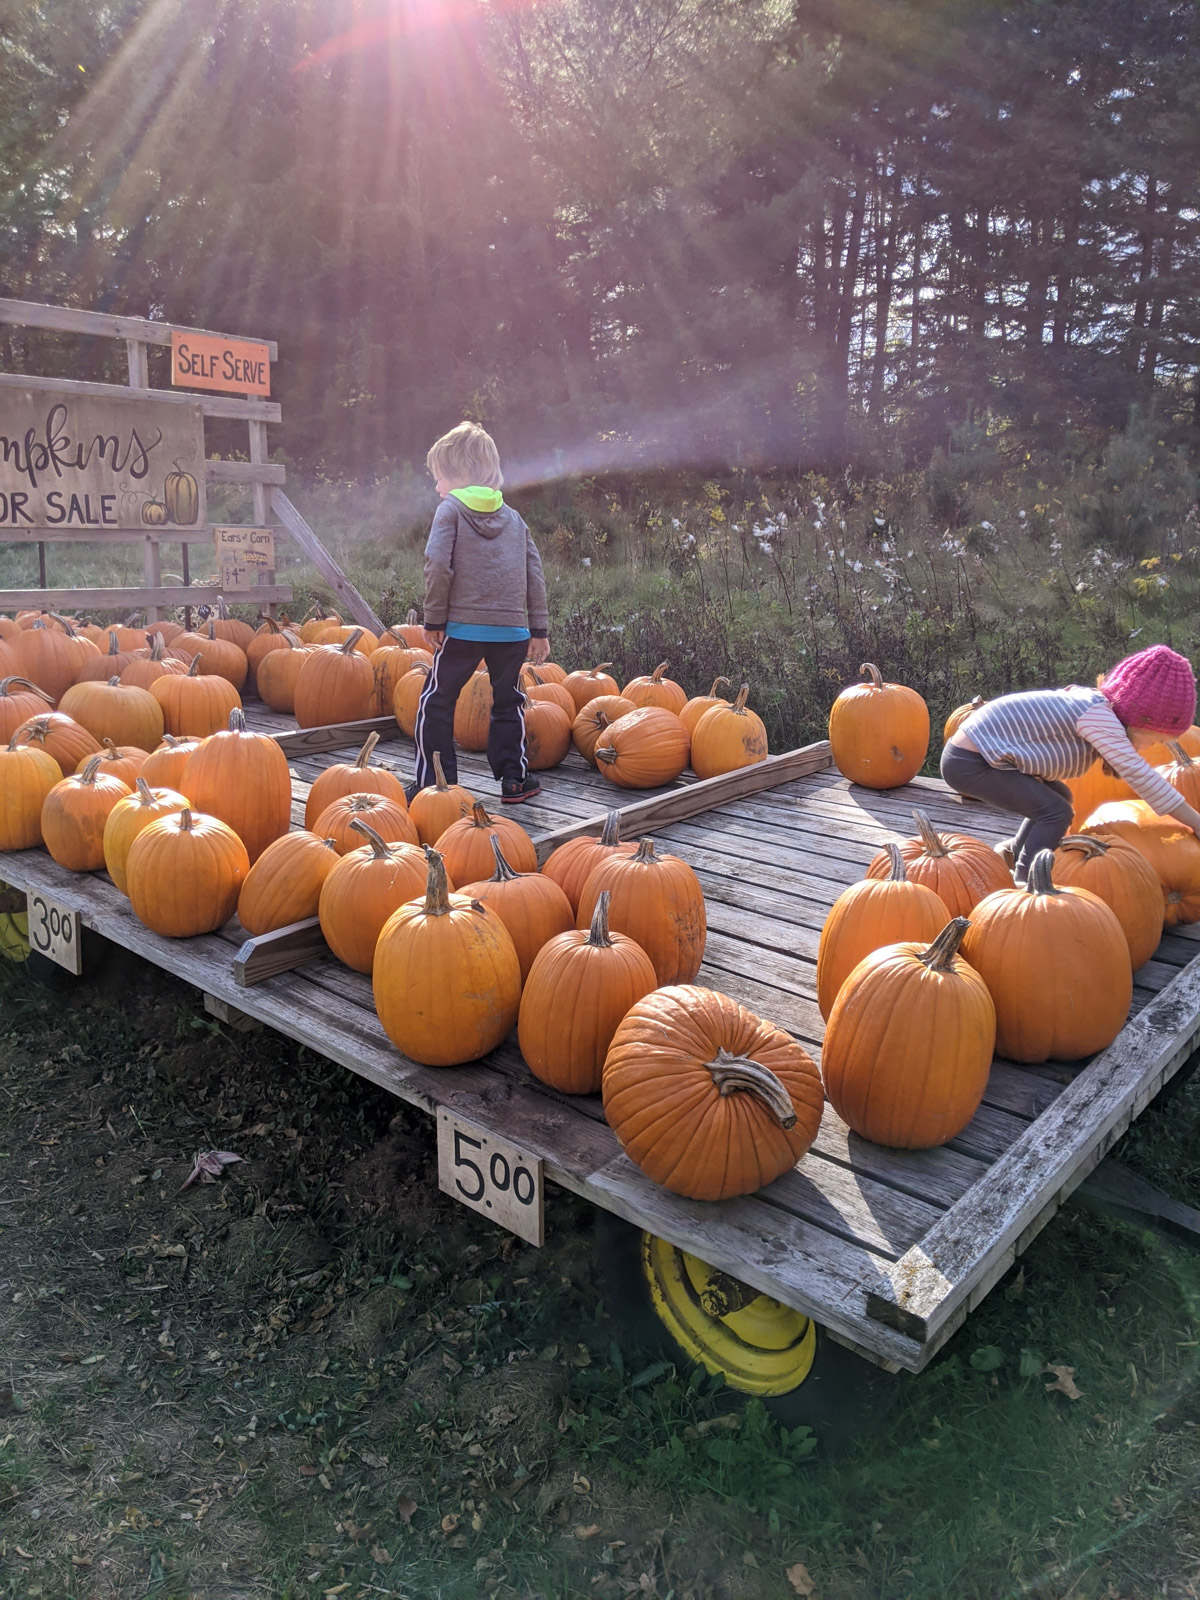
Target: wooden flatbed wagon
(885, 1250)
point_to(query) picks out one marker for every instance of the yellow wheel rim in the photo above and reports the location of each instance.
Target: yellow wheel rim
(757, 1345)
(14, 925)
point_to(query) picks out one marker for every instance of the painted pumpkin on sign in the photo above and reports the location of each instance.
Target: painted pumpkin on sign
(182, 495)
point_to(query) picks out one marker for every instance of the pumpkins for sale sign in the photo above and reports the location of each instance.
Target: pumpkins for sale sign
(81, 461)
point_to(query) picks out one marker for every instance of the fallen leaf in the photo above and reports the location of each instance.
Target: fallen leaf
(339, 1588)
(801, 1579)
(590, 1532)
(308, 1472)
(449, 1522)
(209, 1165)
(405, 1508)
(24, 1554)
(1064, 1382)
(379, 1554)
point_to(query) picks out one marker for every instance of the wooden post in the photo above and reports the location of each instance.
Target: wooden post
(139, 366)
(262, 508)
(152, 574)
(324, 562)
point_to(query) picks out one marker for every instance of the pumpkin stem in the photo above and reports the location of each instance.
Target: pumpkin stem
(222, 608)
(114, 648)
(1182, 759)
(348, 647)
(1040, 879)
(739, 705)
(1091, 847)
(32, 687)
(731, 1073)
(157, 647)
(237, 720)
(606, 753)
(871, 671)
(411, 617)
(114, 683)
(380, 851)
(945, 947)
(610, 833)
(212, 630)
(439, 776)
(602, 667)
(598, 934)
(897, 871)
(503, 873)
(712, 693)
(364, 755)
(193, 671)
(145, 792)
(437, 891)
(110, 750)
(185, 820)
(931, 841)
(88, 775)
(657, 675)
(645, 852)
(479, 815)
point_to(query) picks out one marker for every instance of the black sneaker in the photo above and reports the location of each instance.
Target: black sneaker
(514, 790)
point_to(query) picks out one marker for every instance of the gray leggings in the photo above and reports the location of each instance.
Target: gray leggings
(1045, 803)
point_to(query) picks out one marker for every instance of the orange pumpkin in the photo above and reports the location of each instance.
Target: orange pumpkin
(19, 700)
(645, 750)
(446, 977)
(590, 723)
(727, 738)
(536, 686)
(1056, 963)
(577, 991)
(242, 778)
(909, 1045)
(1095, 788)
(284, 885)
(959, 869)
(571, 864)
(1120, 875)
(959, 715)
(163, 768)
(316, 622)
(468, 854)
(654, 689)
(878, 732)
(1171, 849)
(700, 703)
(269, 637)
(232, 629)
(870, 914)
(407, 698)
(410, 632)
(113, 710)
(433, 809)
(51, 656)
(1158, 754)
(473, 712)
(1182, 772)
(184, 874)
(74, 814)
(585, 686)
(218, 657)
(533, 908)
(147, 666)
(277, 672)
(118, 761)
(352, 777)
(195, 704)
(655, 899)
(127, 819)
(27, 775)
(59, 736)
(389, 818)
(547, 735)
(100, 668)
(389, 664)
(366, 885)
(364, 640)
(334, 685)
(709, 1100)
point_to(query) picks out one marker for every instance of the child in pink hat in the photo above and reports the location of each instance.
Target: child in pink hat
(1016, 751)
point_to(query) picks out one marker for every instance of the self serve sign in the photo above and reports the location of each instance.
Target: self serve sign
(205, 361)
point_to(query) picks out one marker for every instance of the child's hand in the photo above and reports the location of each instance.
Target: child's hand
(435, 637)
(539, 651)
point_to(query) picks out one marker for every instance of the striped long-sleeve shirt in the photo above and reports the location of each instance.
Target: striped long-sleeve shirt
(1058, 733)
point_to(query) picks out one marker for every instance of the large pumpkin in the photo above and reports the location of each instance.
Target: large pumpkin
(163, 768)
(468, 853)
(127, 819)
(728, 737)
(435, 807)
(352, 777)
(407, 697)
(389, 664)
(645, 750)
(99, 668)
(1098, 785)
(577, 991)
(334, 685)
(959, 869)
(74, 814)
(547, 735)
(243, 779)
(410, 632)
(365, 642)
(388, 817)
(599, 713)
(113, 710)
(195, 704)
(870, 914)
(533, 908)
(1171, 849)
(473, 712)
(700, 703)
(147, 666)
(709, 1100)
(446, 976)
(51, 657)
(232, 629)
(27, 775)
(536, 686)
(317, 620)
(571, 864)
(270, 637)
(59, 736)
(655, 899)
(19, 700)
(184, 874)
(278, 671)
(1056, 962)
(218, 657)
(655, 689)
(878, 732)
(909, 1045)
(585, 686)
(1182, 772)
(118, 761)
(284, 885)
(1120, 876)
(366, 885)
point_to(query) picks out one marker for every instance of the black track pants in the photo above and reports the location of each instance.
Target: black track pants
(453, 664)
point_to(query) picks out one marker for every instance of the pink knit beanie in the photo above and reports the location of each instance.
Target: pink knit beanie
(1154, 689)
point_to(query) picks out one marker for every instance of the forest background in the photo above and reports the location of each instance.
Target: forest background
(810, 332)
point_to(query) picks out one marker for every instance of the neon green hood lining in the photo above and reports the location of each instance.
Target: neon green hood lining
(477, 499)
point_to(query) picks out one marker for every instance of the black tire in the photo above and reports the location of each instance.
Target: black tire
(843, 1398)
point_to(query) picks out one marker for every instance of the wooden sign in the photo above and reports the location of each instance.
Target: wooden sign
(78, 461)
(491, 1176)
(206, 361)
(245, 556)
(54, 931)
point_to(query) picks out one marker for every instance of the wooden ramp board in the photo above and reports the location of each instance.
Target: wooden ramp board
(853, 1227)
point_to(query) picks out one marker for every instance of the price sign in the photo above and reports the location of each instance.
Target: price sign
(491, 1176)
(54, 932)
(245, 556)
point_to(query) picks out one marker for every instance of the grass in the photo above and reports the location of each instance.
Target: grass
(320, 1372)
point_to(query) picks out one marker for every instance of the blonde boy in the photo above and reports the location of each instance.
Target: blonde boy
(485, 595)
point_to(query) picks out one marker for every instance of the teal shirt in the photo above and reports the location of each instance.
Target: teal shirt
(482, 633)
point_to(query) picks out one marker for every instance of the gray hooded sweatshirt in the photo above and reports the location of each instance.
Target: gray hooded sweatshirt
(482, 566)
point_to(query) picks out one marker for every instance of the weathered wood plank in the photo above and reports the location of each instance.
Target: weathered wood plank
(70, 319)
(36, 533)
(281, 951)
(130, 599)
(334, 736)
(212, 405)
(316, 552)
(244, 472)
(1044, 1165)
